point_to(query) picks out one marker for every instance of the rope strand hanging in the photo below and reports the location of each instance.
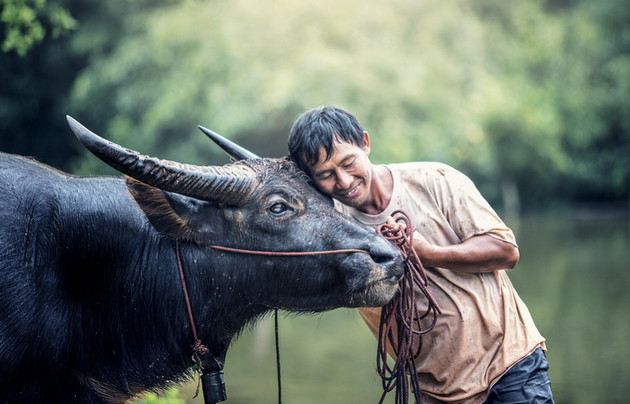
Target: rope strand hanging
(401, 327)
(400, 318)
(212, 378)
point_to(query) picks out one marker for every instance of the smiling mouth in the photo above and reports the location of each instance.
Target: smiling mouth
(352, 192)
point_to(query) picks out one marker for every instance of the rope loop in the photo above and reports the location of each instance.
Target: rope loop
(400, 326)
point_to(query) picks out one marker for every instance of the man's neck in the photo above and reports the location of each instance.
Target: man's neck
(381, 190)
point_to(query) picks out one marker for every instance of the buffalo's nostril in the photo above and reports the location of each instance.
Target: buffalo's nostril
(389, 258)
(381, 257)
(384, 253)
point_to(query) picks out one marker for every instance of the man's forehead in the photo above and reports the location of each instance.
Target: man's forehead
(340, 151)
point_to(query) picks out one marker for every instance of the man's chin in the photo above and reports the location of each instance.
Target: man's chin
(356, 202)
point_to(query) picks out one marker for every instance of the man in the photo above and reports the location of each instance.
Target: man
(485, 346)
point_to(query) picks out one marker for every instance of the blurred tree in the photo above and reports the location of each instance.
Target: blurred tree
(592, 97)
(574, 81)
(27, 21)
(204, 62)
(529, 98)
(35, 83)
(513, 105)
(33, 86)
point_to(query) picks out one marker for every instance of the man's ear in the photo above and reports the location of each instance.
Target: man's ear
(168, 213)
(366, 143)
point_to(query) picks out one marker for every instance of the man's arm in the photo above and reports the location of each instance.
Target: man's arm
(482, 253)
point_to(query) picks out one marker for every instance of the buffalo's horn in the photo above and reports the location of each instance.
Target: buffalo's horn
(231, 148)
(229, 184)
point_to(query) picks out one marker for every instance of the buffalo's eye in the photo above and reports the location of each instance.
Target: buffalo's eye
(279, 209)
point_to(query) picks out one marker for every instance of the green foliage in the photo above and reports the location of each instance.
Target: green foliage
(25, 20)
(528, 96)
(170, 396)
(34, 88)
(205, 63)
(594, 100)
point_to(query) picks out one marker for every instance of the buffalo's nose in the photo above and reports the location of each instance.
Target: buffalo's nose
(389, 258)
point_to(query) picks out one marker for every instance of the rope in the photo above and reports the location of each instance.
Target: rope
(275, 312)
(401, 318)
(286, 253)
(199, 349)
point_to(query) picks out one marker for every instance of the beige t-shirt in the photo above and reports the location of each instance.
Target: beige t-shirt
(485, 328)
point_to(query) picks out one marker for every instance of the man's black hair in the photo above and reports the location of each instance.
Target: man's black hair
(319, 128)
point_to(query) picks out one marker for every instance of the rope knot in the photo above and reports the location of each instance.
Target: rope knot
(200, 349)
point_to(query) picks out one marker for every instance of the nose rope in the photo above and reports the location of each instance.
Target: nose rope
(400, 323)
(217, 388)
(401, 319)
(286, 253)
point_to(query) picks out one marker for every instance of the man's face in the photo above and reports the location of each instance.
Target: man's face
(346, 175)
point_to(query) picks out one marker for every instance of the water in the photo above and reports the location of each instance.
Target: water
(574, 275)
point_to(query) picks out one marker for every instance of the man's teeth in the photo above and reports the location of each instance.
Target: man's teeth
(352, 191)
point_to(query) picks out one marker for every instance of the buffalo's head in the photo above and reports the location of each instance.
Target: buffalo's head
(263, 205)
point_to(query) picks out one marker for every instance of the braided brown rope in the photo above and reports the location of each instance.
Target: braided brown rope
(400, 324)
(199, 349)
(400, 318)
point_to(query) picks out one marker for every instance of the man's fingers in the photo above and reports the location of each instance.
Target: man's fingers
(394, 224)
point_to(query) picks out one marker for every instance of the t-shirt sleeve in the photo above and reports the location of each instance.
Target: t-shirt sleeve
(468, 213)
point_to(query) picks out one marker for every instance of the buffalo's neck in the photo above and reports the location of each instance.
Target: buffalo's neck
(122, 277)
(224, 290)
(126, 275)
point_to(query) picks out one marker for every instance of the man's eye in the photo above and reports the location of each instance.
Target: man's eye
(278, 208)
(323, 176)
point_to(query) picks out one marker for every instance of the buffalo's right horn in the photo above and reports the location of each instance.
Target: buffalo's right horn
(231, 148)
(229, 185)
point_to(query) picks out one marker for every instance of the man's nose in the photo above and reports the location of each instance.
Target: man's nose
(344, 180)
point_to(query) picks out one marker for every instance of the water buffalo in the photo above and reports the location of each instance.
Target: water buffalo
(91, 303)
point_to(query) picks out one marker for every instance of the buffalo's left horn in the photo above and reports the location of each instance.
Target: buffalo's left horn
(229, 184)
(231, 148)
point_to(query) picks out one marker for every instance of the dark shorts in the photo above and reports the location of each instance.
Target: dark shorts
(526, 382)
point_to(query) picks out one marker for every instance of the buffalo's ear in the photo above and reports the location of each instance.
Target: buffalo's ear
(169, 213)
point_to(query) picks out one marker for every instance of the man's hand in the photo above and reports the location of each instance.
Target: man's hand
(420, 244)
